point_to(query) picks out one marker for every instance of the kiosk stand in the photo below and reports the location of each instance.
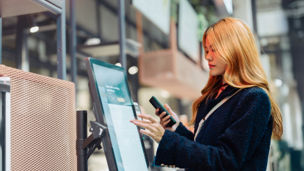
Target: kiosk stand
(87, 145)
(113, 107)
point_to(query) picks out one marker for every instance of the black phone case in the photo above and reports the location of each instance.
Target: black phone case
(156, 104)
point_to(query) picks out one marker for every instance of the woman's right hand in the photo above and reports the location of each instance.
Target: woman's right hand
(164, 120)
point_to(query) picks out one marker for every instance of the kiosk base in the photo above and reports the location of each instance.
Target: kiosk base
(87, 145)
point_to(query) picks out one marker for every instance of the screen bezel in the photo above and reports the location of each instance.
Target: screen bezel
(99, 111)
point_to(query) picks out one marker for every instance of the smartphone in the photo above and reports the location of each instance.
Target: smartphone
(157, 105)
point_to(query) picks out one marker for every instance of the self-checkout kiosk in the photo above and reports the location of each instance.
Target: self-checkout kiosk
(40, 131)
(113, 108)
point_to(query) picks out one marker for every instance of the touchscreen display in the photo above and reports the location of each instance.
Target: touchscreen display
(112, 88)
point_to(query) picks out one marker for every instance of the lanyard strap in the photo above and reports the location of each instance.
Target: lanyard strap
(200, 125)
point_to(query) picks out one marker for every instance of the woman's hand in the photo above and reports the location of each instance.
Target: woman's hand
(164, 120)
(152, 128)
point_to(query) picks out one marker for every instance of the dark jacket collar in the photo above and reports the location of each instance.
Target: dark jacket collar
(205, 107)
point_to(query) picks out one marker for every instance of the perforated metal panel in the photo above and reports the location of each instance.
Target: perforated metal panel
(43, 122)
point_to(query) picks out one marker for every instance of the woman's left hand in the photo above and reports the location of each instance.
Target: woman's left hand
(152, 127)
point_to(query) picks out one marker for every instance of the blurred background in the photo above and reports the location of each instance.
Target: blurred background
(158, 42)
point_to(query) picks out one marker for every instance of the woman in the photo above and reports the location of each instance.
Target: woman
(236, 135)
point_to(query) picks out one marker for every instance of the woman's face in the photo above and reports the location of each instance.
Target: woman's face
(216, 65)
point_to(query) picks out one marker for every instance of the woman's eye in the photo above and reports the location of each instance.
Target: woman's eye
(207, 51)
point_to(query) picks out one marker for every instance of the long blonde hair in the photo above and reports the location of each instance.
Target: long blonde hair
(235, 44)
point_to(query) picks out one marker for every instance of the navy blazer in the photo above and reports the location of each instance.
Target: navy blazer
(235, 137)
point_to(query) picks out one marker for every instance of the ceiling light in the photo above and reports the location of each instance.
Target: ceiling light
(92, 41)
(133, 70)
(34, 29)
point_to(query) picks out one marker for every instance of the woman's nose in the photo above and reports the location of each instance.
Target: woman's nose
(208, 57)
